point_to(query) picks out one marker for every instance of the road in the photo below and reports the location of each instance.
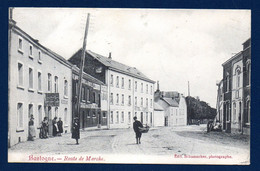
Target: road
(184, 140)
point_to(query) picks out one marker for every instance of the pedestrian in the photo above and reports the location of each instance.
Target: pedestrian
(31, 129)
(136, 125)
(60, 126)
(75, 130)
(54, 127)
(44, 128)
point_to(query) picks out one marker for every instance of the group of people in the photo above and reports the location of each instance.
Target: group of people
(58, 129)
(44, 129)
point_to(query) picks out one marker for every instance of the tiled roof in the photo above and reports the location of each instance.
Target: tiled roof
(158, 107)
(114, 65)
(171, 102)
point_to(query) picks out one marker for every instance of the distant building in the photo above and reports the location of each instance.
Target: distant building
(39, 84)
(130, 92)
(159, 114)
(91, 114)
(174, 107)
(235, 115)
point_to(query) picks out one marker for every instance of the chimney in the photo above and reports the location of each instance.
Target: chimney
(11, 13)
(158, 88)
(109, 57)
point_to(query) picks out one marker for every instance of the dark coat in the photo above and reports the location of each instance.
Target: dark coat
(75, 131)
(136, 125)
(54, 128)
(60, 126)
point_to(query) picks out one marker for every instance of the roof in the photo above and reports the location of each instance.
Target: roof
(55, 55)
(87, 76)
(158, 107)
(232, 58)
(171, 102)
(114, 65)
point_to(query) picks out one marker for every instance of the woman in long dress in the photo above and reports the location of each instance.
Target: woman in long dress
(60, 126)
(31, 129)
(54, 126)
(75, 130)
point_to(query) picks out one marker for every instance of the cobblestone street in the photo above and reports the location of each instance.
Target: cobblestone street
(189, 140)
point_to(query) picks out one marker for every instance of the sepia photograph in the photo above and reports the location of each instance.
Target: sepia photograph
(134, 86)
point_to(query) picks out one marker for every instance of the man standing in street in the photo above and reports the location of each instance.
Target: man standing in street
(136, 126)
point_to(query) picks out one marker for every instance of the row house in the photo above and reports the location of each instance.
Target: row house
(92, 100)
(174, 107)
(233, 104)
(39, 84)
(130, 92)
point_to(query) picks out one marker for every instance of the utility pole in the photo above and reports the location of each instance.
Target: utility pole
(82, 64)
(188, 88)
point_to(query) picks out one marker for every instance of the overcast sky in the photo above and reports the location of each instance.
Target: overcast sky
(169, 45)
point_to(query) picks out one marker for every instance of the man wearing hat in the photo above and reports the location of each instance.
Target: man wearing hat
(136, 126)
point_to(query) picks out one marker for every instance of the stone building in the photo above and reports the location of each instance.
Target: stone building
(39, 84)
(235, 115)
(129, 91)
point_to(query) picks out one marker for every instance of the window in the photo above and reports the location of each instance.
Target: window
(135, 86)
(39, 114)
(88, 113)
(111, 98)
(39, 56)
(135, 113)
(111, 117)
(238, 77)
(66, 116)
(227, 112)
(129, 84)
(83, 94)
(65, 88)
(151, 90)
(146, 88)
(146, 102)
(129, 117)
(31, 51)
(234, 112)
(94, 114)
(56, 82)
(151, 118)
(117, 81)
(227, 82)
(146, 117)
(39, 81)
(135, 101)
(117, 98)
(151, 103)
(20, 44)
(56, 111)
(142, 87)
(117, 117)
(20, 74)
(94, 97)
(49, 82)
(30, 78)
(122, 117)
(123, 99)
(20, 115)
(104, 114)
(129, 100)
(123, 83)
(249, 73)
(88, 95)
(111, 80)
(142, 103)
(30, 110)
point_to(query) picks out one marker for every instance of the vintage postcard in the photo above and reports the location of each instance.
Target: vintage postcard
(144, 86)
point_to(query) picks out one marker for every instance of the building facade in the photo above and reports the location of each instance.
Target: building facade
(174, 107)
(35, 75)
(234, 108)
(90, 114)
(129, 92)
